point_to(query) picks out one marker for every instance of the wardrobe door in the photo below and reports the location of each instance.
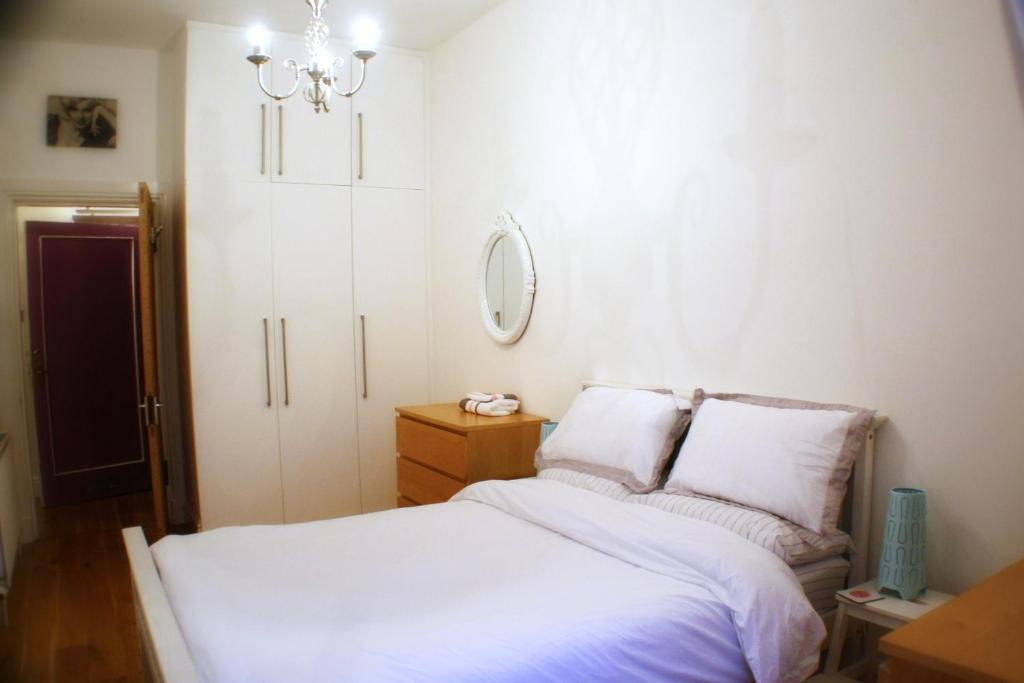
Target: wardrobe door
(390, 247)
(316, 358)
(309, 147)
(231, 349)
(389, 124)
(227, 117)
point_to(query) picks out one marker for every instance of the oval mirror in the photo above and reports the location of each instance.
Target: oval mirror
(506, 282)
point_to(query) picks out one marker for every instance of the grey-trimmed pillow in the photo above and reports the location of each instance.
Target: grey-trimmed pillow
(812, 455)
(625, 435)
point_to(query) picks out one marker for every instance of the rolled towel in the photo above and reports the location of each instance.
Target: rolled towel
(491, 408)
(484, 398)
(503, 403)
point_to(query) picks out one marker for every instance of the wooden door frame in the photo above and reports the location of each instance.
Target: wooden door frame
(13, 195)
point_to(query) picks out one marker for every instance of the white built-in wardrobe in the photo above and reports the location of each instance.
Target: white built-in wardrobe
(306, 261)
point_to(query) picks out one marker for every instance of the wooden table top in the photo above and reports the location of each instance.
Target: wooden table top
(450, 416)
(978, 636)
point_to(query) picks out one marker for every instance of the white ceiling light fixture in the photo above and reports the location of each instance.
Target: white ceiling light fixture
(321, 69)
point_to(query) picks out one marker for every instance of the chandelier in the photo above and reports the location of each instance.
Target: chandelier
(321, 69)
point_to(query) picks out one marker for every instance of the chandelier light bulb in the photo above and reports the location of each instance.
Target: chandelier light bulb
(365, 35)
(259, 39)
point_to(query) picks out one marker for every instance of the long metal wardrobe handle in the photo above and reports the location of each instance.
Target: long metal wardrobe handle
(284, 357)
(266, 351)
(263, 139)
(360, 116)
(366, 386)
(280, 140)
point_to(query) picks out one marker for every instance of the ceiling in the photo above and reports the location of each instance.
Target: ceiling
(413, 24)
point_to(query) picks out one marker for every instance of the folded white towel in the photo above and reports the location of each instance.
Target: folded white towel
(493, 405)
(499, 403)
(479, 396)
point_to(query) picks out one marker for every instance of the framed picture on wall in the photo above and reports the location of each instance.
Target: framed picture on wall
(81, 122)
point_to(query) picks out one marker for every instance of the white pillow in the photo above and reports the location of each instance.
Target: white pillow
(791, 461)
(625, 435)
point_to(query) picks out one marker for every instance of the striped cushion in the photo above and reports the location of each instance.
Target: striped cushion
(590, 482)
(791, 542)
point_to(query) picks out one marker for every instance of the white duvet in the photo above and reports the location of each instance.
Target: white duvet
(512, 581)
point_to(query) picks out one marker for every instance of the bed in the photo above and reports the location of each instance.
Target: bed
(528, 580)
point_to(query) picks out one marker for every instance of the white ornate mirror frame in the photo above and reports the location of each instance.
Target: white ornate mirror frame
(506, 226)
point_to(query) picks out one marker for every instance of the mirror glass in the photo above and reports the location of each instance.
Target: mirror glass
(504, 283)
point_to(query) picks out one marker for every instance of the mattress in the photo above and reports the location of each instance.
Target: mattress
(820, 581)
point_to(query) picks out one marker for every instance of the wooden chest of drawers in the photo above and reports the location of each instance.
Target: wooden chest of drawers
(978, 636)
(442, 449)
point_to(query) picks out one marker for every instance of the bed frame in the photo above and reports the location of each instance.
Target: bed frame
(165, 656)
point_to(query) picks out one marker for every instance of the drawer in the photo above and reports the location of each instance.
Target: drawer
(422, 485)
(404, 502)
(440, 449)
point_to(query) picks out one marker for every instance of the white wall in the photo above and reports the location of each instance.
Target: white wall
(806, 199)
(36, 70)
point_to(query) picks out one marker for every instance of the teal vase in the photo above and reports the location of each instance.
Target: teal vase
(545, 430)
(901, 569)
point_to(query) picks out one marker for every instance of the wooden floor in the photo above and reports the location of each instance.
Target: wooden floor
(70, 607)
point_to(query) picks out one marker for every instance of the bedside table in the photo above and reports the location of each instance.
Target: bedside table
(889, 612)
(441, 449)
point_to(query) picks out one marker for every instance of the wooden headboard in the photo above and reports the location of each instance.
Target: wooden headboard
(855, 518)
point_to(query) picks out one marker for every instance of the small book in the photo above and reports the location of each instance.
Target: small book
(860, 595)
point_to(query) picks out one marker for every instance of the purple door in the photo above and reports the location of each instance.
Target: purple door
(84, 324)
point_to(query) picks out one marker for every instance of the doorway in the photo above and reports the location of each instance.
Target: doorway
(83, 315)
(91, 311)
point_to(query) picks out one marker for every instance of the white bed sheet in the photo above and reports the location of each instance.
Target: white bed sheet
(514, 581)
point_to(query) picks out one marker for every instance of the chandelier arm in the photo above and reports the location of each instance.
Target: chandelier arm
(289, 63)
(362, 77)
(296, 71)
